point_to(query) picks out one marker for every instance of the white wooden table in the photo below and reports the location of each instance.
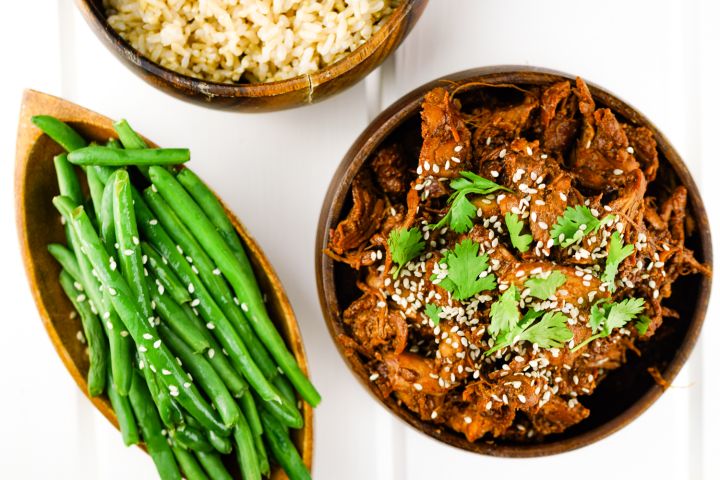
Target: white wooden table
(273, 169)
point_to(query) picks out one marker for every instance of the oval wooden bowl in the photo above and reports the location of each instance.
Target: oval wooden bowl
(627, 391)
(38, 224)
(256, 97)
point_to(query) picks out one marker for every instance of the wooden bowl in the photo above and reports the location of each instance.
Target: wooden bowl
(627, 391)
(256, 97)
(38, 224)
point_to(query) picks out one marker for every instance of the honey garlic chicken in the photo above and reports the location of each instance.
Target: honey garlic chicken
(509, 260)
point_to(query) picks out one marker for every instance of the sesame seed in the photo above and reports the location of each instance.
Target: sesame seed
(617, 171)
(191, 288)
(494, 174)
(147, 336)
(211, 353)
(374, 377)
(195, 302)
(244, 307)
(210, 326)
(153, 222)
(157, 343)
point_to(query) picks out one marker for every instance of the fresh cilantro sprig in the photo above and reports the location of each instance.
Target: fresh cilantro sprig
(544, 288)
(405, 244)
(642, 324)
(551, 331)
(616, 254)
(504, 313)
(462, 211)
(575, 223)
(464, 269)
(433, 313)
(606, 317)
(514, 227)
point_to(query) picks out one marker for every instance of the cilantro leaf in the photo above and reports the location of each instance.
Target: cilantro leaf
(616, 254)
(465, 267)
(462, 211)
(404, 246)
(515, 226)
(549, 332)
(433, 313)
(544, 288)
(504, 313)
(642, 324)
(575, 223)
(607, 317)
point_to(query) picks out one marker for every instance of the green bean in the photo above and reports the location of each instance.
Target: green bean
(169, 281)
(112, 157)
(212, 279)
(219, 361)
(123, 412)
(170, 413)
(213, 465)
(113, 143)
(285, 388)
(96, 187)
(128, 240)
(191, 439)
(220, 444)
(203, 373)
(215, 211)
(59, 131)
(94, 335)
(249, 409)
(68, 183)
(129, 138)
(151, 428)
(144, 334)
(242, 281)
(177, 319)
(107, 219)
(120, 359)
(283, 449)
(263, 461)
(67, 260)
(213, 315)
(103, 172)
(246, 453)
(189, 465)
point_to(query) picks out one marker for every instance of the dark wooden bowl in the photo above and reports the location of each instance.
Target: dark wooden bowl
(38, 224)
(627, 391)
(257, 97)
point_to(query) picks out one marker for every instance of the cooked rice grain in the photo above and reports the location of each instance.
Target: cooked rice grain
(253, 40)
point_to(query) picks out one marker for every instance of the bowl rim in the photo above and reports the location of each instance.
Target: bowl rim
(94, 14)
(394, 116)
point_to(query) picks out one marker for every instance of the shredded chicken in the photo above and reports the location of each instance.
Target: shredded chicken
(552, 148)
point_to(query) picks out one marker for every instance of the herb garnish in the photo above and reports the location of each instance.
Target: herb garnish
(433, 313)
(466, 271)
(616, 254)
(404, 246)
(514, 227)
(575, 223)
(605, 317)
(544, 288)
(507, 328)
(504, 313)
(551, 331)
(462, 211)
(642, 324)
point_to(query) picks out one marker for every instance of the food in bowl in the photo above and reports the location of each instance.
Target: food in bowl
(509, 257)
(252, 41)
(177, 330)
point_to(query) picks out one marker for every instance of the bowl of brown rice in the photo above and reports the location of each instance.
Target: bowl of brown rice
(252, 55)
